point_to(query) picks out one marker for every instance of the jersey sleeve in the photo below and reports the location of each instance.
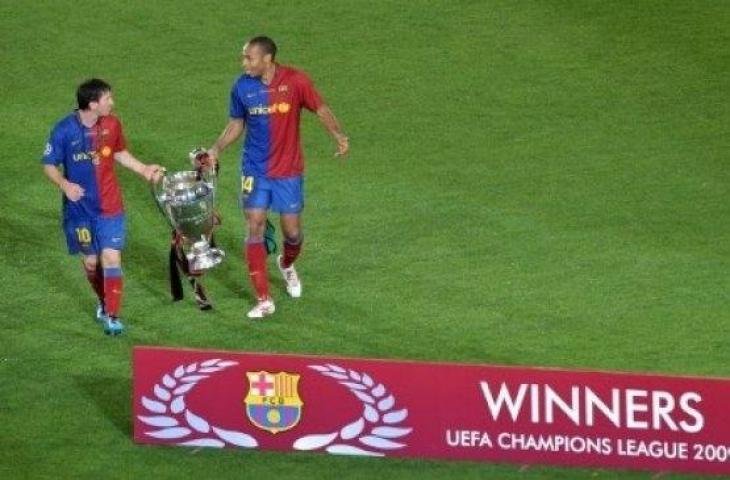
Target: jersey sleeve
(310, 97)
(53, 153)
(236, 108)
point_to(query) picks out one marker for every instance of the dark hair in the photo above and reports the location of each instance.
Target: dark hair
(266, 44)
(91, 91)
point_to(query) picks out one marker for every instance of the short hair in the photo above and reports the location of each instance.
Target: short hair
(266, 44)
(91, 91)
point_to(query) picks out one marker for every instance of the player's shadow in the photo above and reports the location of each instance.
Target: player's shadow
(30, 248)
(111, 395)
(148, 262)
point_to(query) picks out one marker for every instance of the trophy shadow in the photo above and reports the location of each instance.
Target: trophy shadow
(150, 265)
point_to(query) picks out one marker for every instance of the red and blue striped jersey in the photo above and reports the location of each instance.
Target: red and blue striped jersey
(271, 114)
(87, 157)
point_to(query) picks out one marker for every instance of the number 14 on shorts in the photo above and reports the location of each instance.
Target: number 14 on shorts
(246, 185)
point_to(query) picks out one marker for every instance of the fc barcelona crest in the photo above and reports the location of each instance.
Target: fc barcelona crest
(273, 402)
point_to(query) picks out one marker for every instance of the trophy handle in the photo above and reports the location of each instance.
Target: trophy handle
(211, 178)
(159, 196)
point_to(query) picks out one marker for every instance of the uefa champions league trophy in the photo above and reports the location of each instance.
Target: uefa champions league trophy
(187, 200)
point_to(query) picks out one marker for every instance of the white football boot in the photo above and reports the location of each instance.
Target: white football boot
(293, 285)
(263, 308)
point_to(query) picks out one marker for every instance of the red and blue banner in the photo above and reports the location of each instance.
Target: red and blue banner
(385, 408)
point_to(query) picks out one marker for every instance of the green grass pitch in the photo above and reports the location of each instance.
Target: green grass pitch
(530, 183)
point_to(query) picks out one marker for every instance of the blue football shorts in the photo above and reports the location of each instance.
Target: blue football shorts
(282, 195)
(89, 236)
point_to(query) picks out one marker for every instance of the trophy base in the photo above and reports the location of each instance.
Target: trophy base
(202, 257)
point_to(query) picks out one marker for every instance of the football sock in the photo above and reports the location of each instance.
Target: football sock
(96, 279)
(291, 251)
(256, 257)
(112, 290)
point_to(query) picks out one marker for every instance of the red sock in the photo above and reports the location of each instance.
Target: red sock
(96, 280)
(256, 257)
(112, 291)
(291, 252)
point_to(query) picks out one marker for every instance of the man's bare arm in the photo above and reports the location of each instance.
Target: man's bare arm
(73, 191)
(330, 123)
(151, 173)
(230, 134)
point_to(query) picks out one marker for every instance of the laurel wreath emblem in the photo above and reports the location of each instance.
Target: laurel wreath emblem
(374, 432)
(173, 420)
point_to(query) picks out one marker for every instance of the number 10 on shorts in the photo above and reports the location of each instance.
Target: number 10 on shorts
(83, 235)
